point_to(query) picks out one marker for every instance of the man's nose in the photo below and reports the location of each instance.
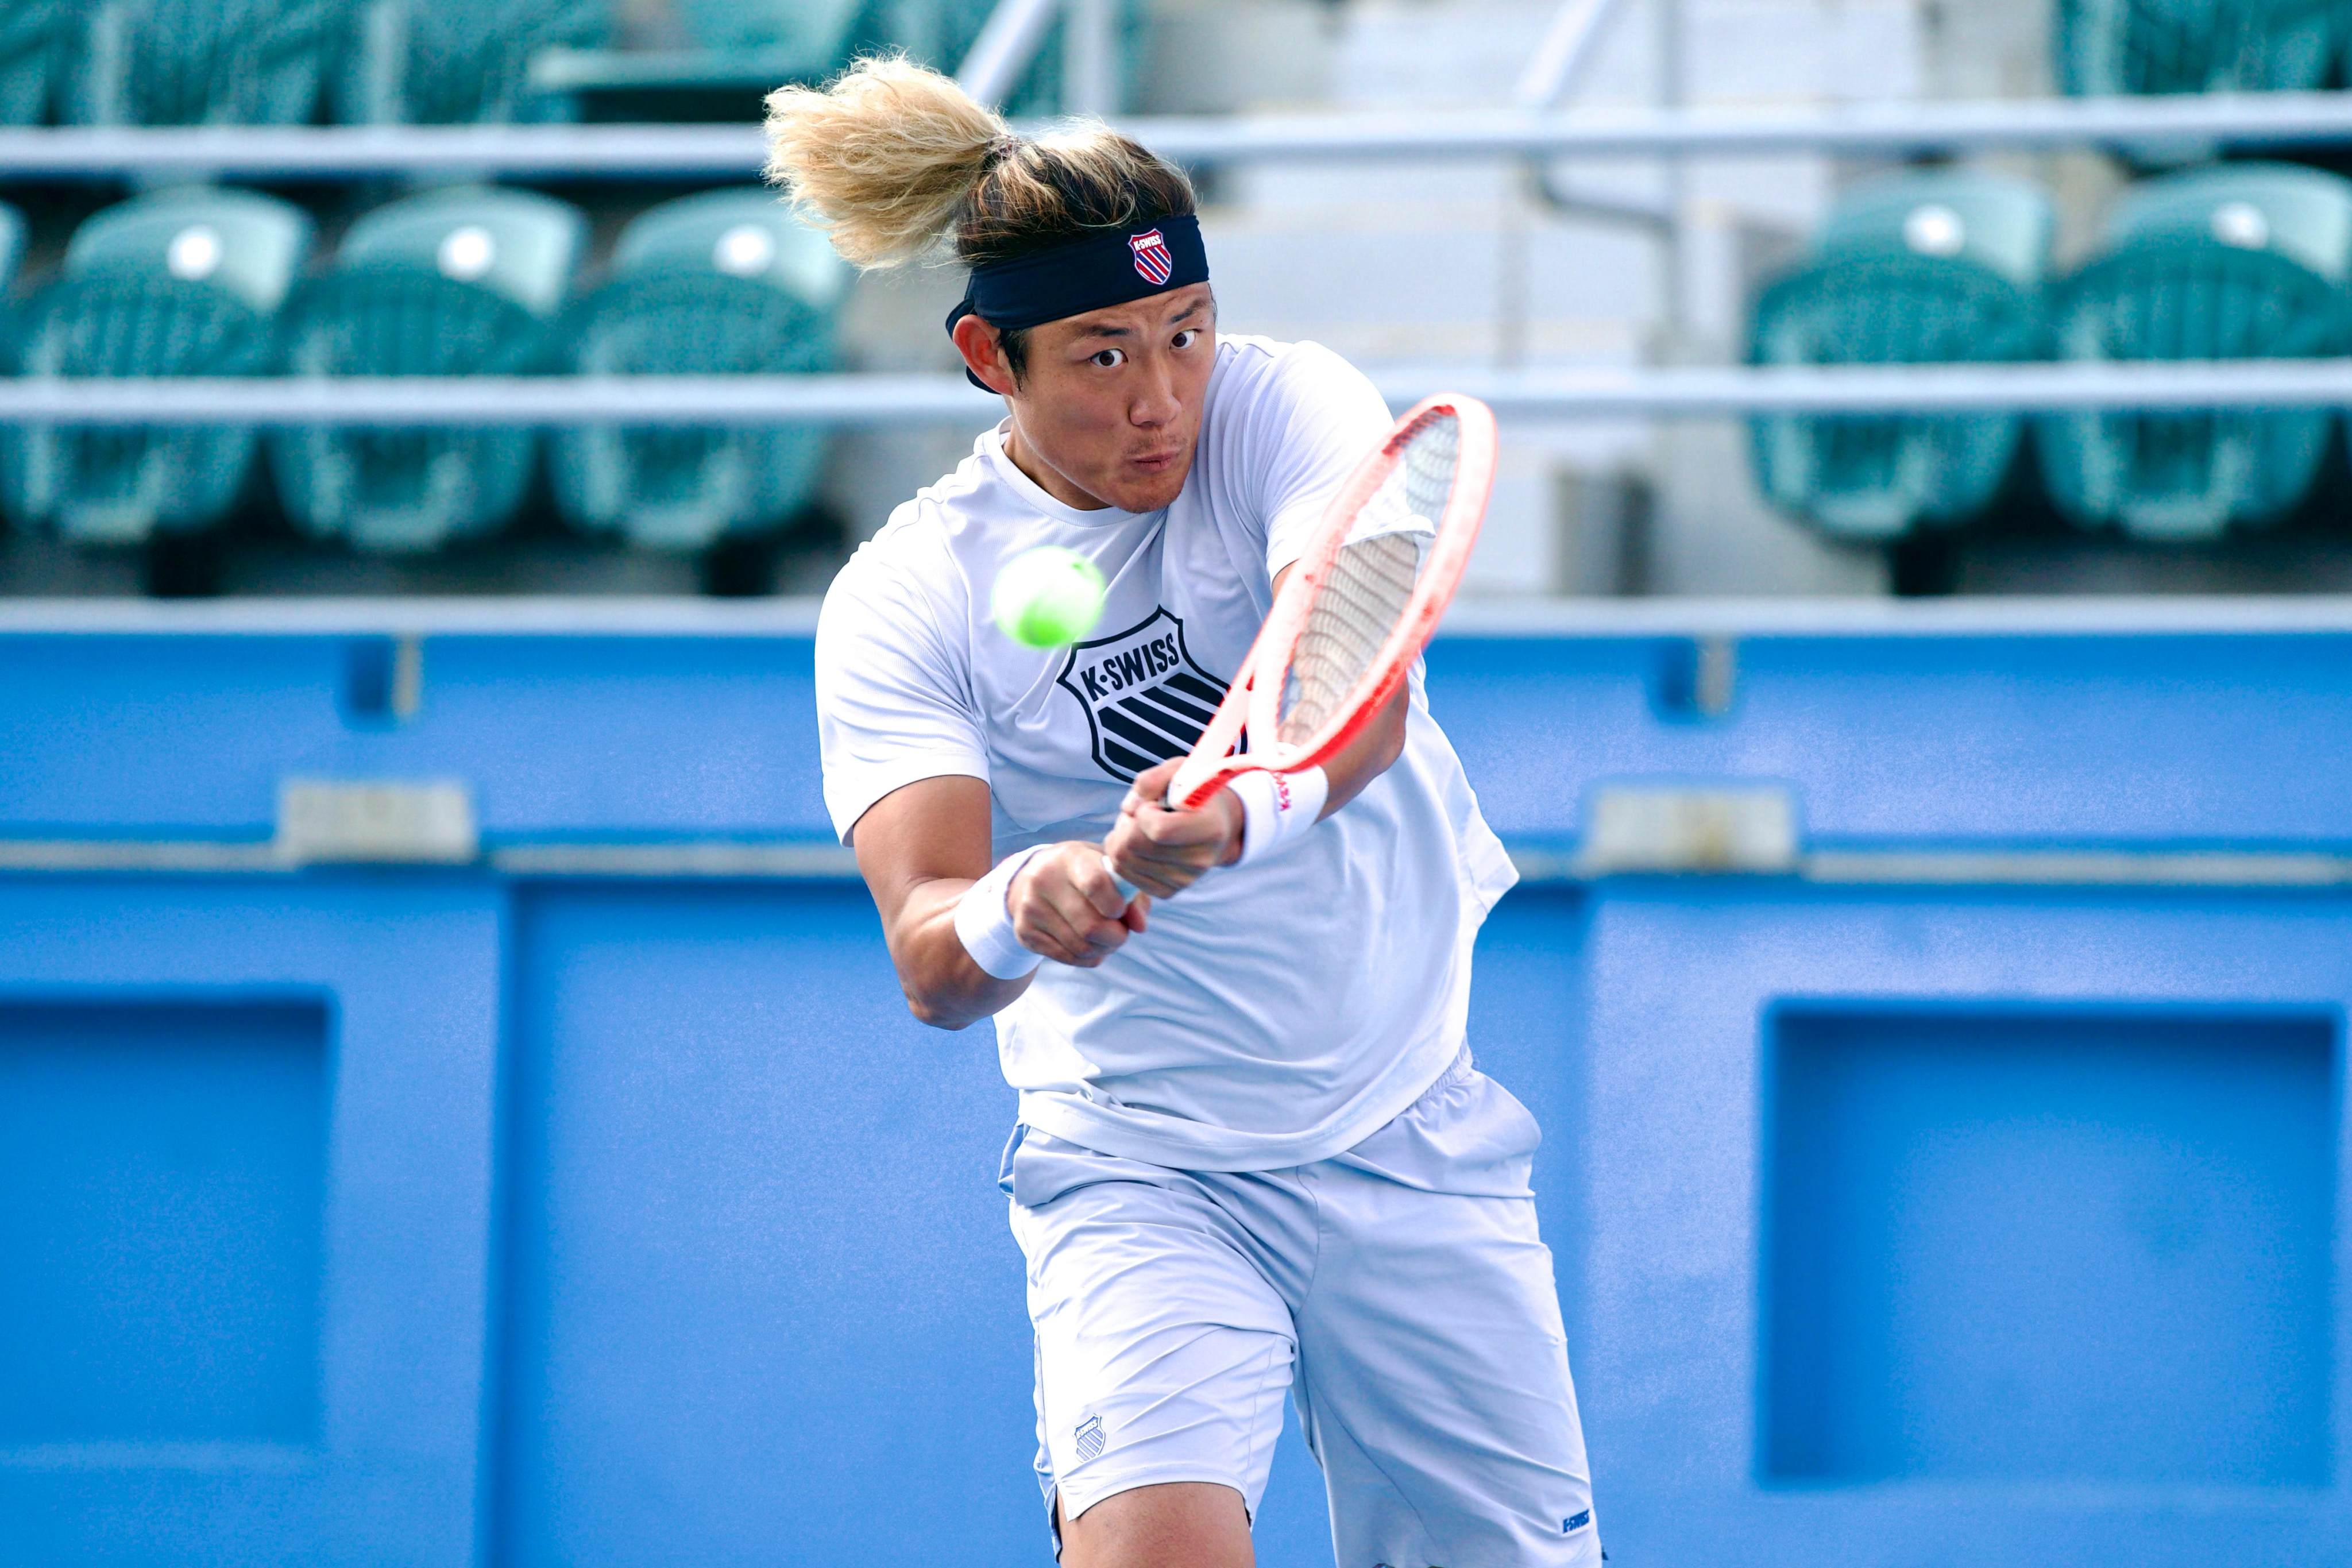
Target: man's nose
(1156, 401)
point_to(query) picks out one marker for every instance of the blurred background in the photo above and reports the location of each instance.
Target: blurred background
(456, 1108)
(484, 194)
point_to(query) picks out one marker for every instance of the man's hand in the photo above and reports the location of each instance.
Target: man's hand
(1164, 852)
(1064, 905)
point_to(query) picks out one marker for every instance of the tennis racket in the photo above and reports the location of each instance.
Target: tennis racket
(1358, 607)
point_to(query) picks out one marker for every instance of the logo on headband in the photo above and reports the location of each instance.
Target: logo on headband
(1151, 257)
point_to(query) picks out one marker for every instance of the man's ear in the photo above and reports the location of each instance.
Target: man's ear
(983, 354)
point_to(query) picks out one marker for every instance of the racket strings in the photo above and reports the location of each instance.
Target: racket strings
(1364, 597)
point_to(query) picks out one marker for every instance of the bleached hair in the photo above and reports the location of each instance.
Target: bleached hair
(883, 158)
(891, 156)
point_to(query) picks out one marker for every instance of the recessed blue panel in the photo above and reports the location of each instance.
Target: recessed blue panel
(161, 1197)
(2049, 1246)
(764, 1305)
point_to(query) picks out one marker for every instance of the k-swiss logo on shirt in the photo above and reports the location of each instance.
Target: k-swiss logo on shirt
(1146, 700)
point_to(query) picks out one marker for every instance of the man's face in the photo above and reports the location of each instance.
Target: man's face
(1111, 401)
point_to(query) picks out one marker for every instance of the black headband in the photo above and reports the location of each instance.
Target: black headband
(1109, 268)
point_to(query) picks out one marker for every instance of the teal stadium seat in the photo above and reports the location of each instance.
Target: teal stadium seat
(33, 35)
(453, 283)
(819, 29)
(12, 259)
(430, 62)
(723, 283)
(2242, 261)
(1921, 268)
(2108, 46)
(199, 62)
(952, 27)
(185, 283)
(731, 53)
(948, 29)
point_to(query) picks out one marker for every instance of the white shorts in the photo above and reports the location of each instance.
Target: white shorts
(1399, 1291)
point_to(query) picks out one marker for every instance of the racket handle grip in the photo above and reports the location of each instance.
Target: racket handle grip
(1128, 889)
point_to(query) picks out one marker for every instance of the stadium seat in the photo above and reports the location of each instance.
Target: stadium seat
(32, 41)
(12, 257)
(199, 62)
(732, 47)
(416, 62)
(945, 30)
(454, 282)
(1918, 268)
(185, 283)
(736, 51)
(2243, 261)
(2104, 47)
(723, 283)
(12, 246)
(952, 27)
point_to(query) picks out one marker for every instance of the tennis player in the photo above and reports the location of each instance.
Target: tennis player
(1253, 1156)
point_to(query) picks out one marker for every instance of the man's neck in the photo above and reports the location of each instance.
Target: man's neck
(1047, 477)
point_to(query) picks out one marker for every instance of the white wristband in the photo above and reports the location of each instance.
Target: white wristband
(1277, 808)
(983, 923)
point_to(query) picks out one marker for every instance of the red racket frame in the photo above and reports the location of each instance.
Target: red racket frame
(1255, 704)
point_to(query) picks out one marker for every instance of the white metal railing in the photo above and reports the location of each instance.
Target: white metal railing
(886, 400)
(1576, 31)
(1090, 75)
(1568, 46)
(728, 152)
(2239, 120)
(1009, 39)
(2247, 121)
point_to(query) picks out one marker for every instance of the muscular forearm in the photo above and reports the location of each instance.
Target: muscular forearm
(924, 847)
(944, 987)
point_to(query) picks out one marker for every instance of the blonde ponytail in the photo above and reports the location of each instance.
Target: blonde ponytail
(892, 154)
(884, 159)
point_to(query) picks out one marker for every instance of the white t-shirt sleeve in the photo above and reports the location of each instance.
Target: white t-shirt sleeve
(1319, 419)
(894, 705)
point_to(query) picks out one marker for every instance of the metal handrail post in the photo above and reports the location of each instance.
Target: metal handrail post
(1674, 301)
(1007, 43)
(1569, 47)
(1090, 58)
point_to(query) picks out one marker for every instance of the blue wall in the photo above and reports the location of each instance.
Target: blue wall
(477, 1216)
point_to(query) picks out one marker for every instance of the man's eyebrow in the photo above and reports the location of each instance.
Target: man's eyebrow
(1105, 329)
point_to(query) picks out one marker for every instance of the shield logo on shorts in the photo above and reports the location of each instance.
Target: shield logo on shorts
(1151, 256)
(1090, 1438)
(1145, 698)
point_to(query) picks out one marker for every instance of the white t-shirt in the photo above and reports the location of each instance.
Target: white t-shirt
(1273, 1014)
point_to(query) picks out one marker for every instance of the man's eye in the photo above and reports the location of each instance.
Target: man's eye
(1109, 359)
(1185, 339)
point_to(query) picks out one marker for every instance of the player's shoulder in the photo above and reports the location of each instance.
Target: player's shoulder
(920, 539)
(1257, 376)
(911, 566)
(1247, 357)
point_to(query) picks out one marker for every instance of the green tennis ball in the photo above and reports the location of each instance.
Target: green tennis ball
(1047, 597)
